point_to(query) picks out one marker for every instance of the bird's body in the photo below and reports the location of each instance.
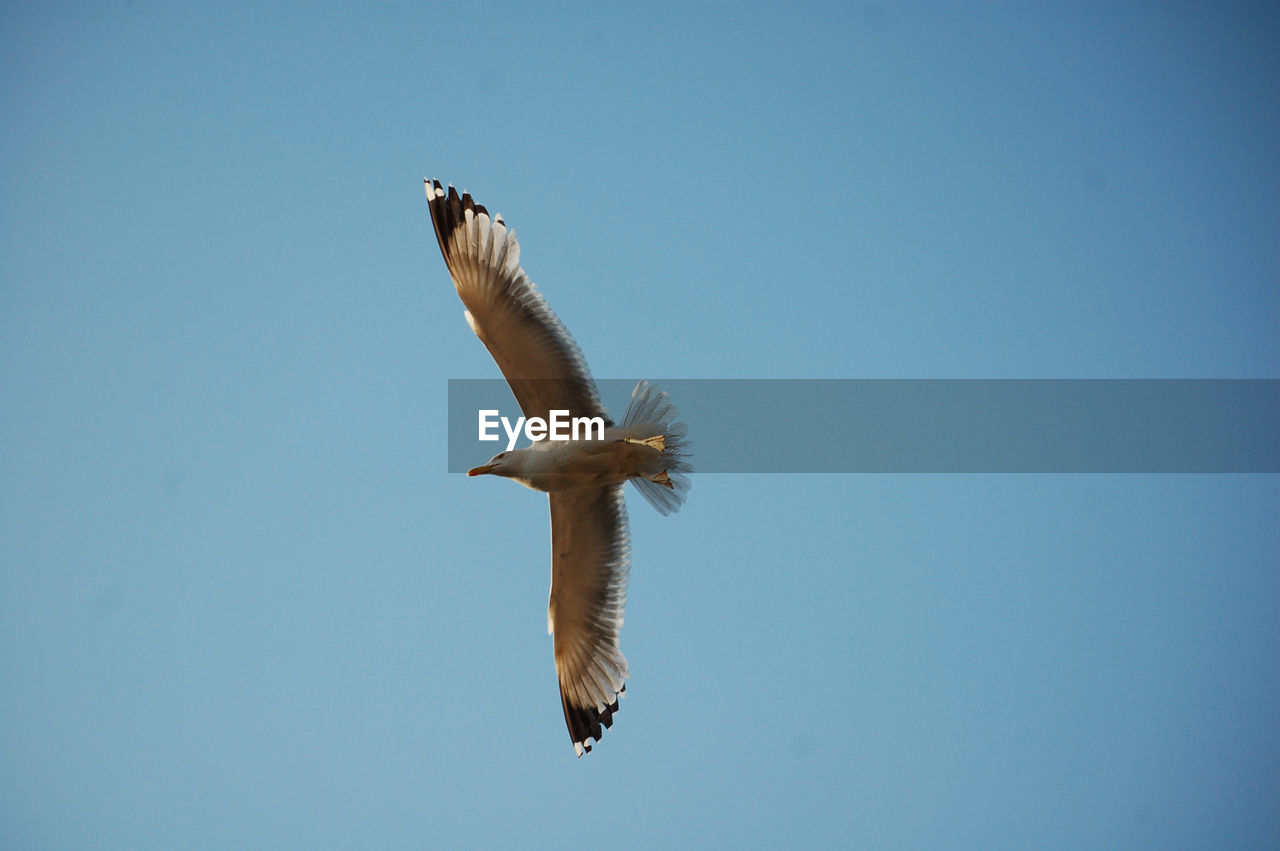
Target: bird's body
(590, 546)
(556, 466)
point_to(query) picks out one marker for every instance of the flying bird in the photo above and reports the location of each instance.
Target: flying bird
(583, 478)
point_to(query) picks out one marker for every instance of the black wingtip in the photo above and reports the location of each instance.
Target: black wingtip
(449, 210)
(585, 722)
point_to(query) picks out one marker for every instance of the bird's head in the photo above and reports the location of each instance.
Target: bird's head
(503, 464)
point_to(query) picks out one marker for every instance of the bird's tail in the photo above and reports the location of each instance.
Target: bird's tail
(651, 419)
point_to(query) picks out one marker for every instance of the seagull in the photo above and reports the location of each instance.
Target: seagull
(583, 479)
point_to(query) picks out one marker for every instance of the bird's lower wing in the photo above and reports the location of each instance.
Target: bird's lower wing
(590, 560)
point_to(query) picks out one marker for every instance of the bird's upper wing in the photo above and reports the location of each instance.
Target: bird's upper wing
(542, 363)
(590, 558)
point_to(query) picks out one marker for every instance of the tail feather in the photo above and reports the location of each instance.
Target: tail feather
(651, 414)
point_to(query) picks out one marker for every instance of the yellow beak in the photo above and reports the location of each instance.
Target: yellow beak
(481, 470)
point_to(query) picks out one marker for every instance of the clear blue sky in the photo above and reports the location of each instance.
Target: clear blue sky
(242, 604)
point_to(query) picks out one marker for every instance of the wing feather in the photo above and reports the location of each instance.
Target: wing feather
(590, 562)
(538, 356)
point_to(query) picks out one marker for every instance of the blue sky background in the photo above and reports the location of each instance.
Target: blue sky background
(242, 604)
